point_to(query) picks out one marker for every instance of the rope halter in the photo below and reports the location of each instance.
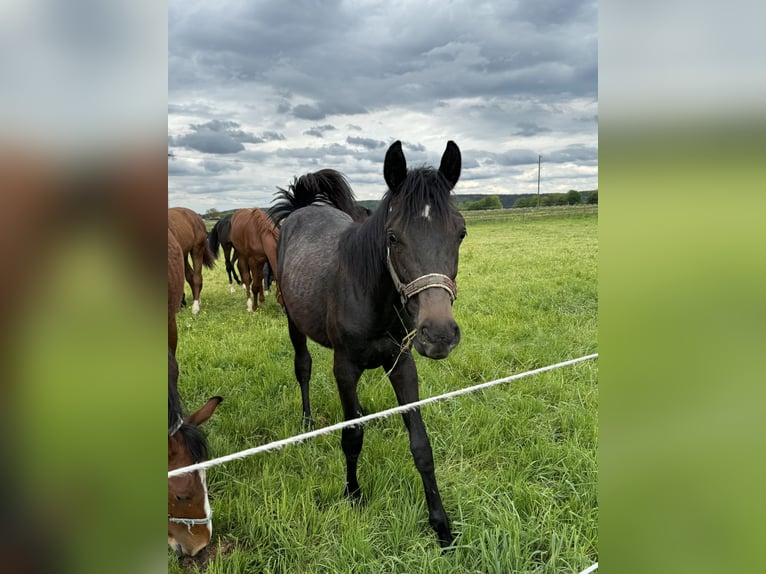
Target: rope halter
(421, 283)
(189, 522)
(174, 429)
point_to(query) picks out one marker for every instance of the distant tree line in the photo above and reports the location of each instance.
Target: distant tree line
(572, 197)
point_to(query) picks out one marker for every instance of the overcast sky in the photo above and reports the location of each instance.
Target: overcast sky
(262, 91)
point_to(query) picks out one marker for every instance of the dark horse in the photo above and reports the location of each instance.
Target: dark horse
(254, 236)
(370, 290)
(189, 231)
(220, 235)
(190, 523)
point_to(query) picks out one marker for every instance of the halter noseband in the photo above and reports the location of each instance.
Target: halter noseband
(421, 283)
(189, 522)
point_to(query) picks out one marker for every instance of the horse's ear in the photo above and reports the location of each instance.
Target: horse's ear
(451, 163)
(394, 166)
(204, 413)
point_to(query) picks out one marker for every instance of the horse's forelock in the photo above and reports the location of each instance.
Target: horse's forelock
(424, 186)
(195, 442)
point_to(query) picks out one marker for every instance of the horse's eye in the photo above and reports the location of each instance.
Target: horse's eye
(463, 234)
(392, 239)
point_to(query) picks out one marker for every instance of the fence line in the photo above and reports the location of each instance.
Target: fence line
(591, 568)
(381, 414)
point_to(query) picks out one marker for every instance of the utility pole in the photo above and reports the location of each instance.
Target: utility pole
(539, 157)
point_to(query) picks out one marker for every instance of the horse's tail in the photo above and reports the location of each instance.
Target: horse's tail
(213, 240)
(323, 186)
(268, 276)
(208, 257)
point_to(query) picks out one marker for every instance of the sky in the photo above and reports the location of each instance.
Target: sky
(260, 92)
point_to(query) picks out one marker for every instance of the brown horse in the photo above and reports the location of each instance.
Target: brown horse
(175, 287)
(190, 520)
(189, 230)
(254, 236)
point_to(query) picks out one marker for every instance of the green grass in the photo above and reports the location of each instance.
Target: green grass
(516, 464)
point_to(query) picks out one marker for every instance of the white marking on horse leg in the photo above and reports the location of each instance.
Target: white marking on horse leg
(195, 307)
(426, 212)
(249, 304)
(244, 287)
(231, 288)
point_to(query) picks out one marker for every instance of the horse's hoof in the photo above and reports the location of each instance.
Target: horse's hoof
(446, 541)
(354, 496)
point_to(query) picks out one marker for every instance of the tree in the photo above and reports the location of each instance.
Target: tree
(592, 197)
(525, 202)
(573, 197)
(212, 213)
(489, 202)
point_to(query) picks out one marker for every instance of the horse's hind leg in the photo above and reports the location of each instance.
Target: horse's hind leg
(302, 368)
(347, 376)
(197, 255)
(404, 378)
(244, 273)
(189, 275)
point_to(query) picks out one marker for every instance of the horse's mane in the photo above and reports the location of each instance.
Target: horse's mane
(324, 186)
(363, 247)
(264, 222)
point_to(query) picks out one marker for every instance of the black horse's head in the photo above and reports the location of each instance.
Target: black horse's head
(423, 236)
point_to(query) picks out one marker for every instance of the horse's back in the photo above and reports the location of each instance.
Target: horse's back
(187, 226)
(307, 261)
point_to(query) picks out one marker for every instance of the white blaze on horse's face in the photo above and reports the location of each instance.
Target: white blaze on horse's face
(426, 212)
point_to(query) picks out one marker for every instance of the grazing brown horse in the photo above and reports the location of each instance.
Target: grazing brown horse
(190, 520)
(175, 287)
(190, 232)
(255, 237)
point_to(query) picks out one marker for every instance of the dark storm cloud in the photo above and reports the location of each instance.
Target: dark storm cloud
(423, 53)
(217, 167)
(365, 142)
(272, 136)
(216, 136)
(318, 131)
(495, 73)
(576, 153)
(529, 129)
(415, 147)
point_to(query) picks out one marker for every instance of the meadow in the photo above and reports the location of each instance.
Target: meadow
(516, 464)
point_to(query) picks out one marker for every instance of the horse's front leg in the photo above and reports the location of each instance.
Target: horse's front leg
(404, 378)
(347, 376)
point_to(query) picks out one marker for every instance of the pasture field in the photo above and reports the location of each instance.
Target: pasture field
(516, 464)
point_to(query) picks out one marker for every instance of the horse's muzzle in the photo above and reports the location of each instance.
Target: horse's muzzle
(436, 341)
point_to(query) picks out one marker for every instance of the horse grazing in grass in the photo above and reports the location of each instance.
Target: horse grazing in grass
(254, 236)
(370, 290)
(190, 232)
(190, 523)
(220, 235)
